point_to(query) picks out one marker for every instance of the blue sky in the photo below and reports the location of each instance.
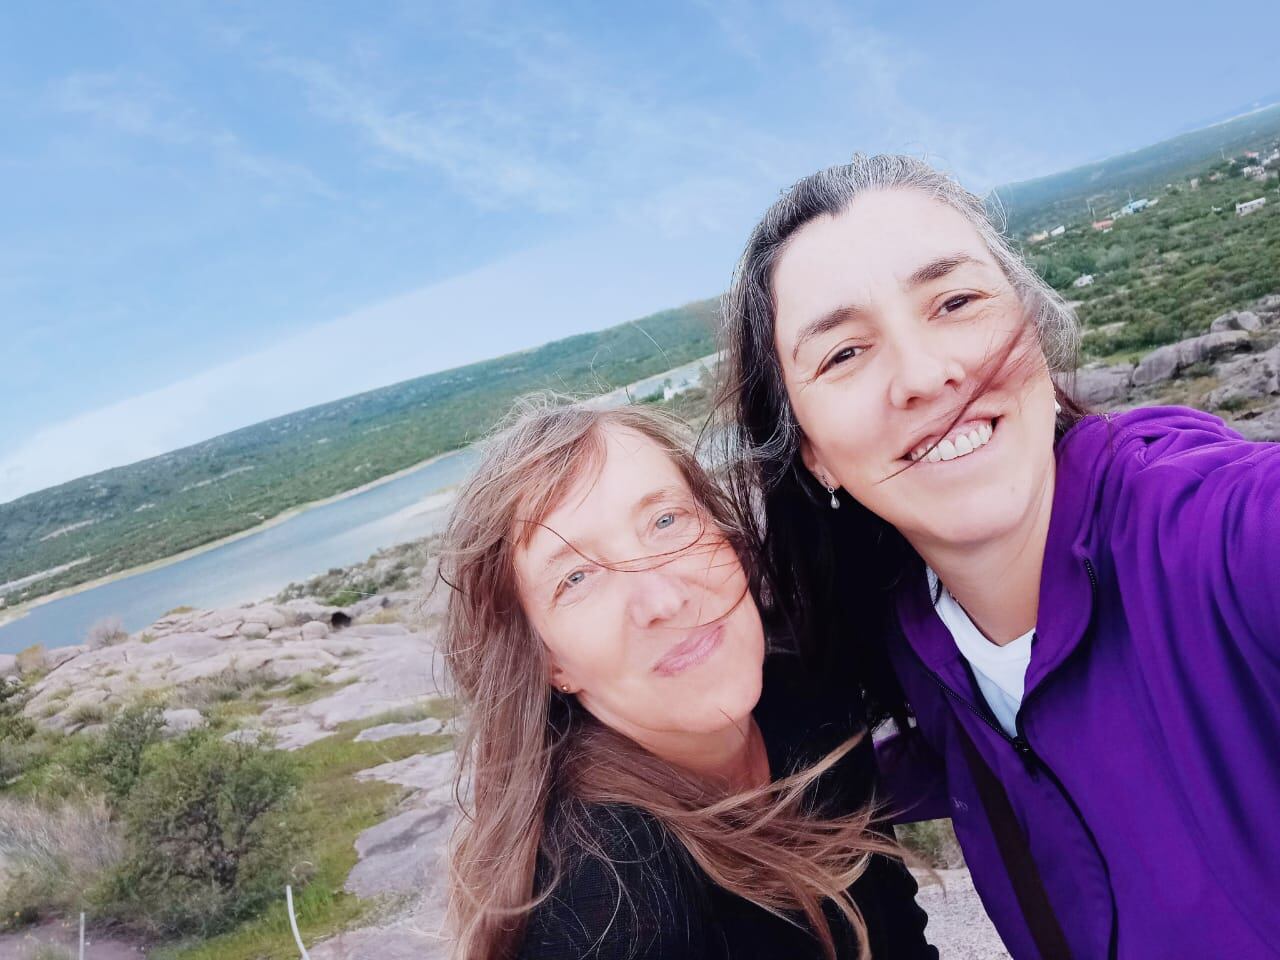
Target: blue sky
(214, 213)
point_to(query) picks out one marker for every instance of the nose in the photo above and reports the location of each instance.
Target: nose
(922, 370)
(656, 596)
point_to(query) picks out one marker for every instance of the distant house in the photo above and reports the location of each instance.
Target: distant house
(1106, 224)
(1134, 206)
(1084, 280)
(1254, 173)
(1040, 237)
(1251, 154)
(1058, 231)
(1250, 206)
(1195, 183)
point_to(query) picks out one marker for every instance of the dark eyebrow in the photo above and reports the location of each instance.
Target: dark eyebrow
(939, 268)
(824, 324)
(933, 270)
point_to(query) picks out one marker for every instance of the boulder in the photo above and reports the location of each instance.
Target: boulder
(315, 630)
(1165, 363)
(179, 721)
(400, 855)
(1236, 320)
(388, 730)
(226, 630)
(1246, 379)
(254, 630)
(1094, 386)
(428, 772)
(384, 943)
(1264, 426)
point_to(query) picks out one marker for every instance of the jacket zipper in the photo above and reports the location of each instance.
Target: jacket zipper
(1034, 763)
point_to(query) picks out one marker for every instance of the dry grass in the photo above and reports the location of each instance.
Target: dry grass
(55, 855)
(106, 632)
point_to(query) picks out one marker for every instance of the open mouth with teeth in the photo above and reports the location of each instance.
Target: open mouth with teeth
(964, 439)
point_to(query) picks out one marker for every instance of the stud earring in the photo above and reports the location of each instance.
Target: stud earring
(1057, 407)
(564, 688)
(835, 504)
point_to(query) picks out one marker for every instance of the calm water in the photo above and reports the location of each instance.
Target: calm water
(335, 535)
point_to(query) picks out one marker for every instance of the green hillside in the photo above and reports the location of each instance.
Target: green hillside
(145, 511)
(1047, 201)
(1164, 273)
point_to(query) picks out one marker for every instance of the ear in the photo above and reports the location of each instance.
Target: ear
(813, 464)
(560, 680)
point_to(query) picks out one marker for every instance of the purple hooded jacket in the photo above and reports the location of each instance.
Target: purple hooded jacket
(1146, 771)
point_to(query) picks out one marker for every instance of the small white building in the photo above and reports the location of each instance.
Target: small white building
(1254, 173)
(1084, 280)
(1058, 231)
(1250, 206)
(1134, 206)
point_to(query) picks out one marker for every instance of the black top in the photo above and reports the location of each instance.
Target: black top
(652, 901)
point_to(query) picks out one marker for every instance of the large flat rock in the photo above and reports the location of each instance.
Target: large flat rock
(384, 943)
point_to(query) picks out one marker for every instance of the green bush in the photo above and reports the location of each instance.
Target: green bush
(116, 760)
(214, 833)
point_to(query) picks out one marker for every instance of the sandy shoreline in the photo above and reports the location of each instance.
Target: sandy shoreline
(10, 614)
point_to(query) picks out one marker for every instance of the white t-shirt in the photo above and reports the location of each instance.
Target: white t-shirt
(1001, 671)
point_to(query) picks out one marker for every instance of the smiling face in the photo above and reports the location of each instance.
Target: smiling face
(890, 317)
(641, 600)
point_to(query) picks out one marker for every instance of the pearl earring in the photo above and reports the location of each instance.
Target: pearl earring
(1057, 407)
(564, 687)
(835, 504)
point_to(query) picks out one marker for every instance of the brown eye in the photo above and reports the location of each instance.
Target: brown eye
(843, 355)
(956, 303)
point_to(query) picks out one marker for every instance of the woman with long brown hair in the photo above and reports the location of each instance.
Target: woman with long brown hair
(633, 793)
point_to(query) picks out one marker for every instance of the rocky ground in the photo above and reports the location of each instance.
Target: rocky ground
(1232, 371)
(374, 657)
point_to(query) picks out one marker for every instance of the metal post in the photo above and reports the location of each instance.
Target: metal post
(293, 923)
(81, 935)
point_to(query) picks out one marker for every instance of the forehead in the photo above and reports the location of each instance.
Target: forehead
(879, 240)
(599, 503)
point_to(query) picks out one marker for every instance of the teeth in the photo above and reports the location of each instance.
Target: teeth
(950, 449)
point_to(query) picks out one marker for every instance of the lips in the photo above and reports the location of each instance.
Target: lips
(690, 652)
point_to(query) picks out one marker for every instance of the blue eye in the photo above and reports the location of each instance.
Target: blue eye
(575, 578)
(666, 520)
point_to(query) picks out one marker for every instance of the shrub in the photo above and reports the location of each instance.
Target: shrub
(116, 760)
(56, 856)
(31, 661)
(233, 683)
(105, 633)
(13, 725)
(87, 714)
(213, 831)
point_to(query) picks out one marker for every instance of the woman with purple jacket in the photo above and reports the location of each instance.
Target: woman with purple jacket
(1081, 611)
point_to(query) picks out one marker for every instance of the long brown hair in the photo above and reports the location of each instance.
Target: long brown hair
(534, 759)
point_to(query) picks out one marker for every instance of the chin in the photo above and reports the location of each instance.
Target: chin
(728, 705)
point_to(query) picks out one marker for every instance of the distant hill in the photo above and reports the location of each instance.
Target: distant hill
(127, 516)
(1046, 201)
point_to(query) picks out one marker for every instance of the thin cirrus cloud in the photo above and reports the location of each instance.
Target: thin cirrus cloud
(136, 108)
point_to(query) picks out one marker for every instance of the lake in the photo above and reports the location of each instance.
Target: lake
(260, 564)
